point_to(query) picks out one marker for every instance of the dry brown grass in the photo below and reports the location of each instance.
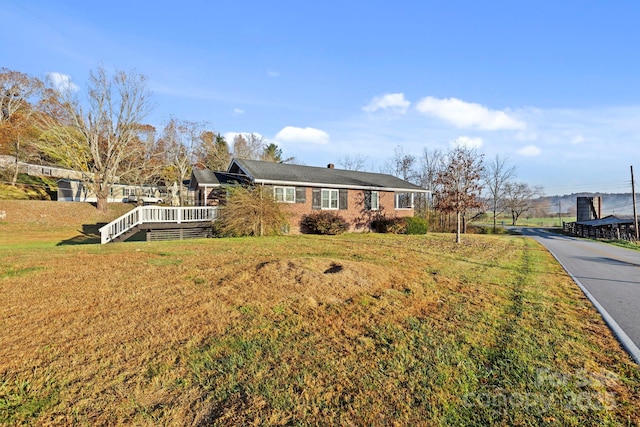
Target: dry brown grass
(350, 330)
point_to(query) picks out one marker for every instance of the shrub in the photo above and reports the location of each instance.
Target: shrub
(324, 222)
(250, 212)
(389, 225)
(416, 225)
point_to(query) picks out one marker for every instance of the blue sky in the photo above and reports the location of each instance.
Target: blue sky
(553, 85)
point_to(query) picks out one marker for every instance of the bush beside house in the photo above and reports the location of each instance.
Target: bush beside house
(324, 222)
(400, 225)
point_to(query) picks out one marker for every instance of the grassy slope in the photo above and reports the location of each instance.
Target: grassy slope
(38, 223)
(357, 329)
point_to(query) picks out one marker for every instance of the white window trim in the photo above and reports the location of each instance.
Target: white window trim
(377, 206)
(284, 194)
(337, 199)
(396, 202)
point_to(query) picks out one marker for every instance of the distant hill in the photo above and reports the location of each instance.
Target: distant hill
(612, 203)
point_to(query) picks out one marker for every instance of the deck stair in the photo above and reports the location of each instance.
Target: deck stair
(160, 222)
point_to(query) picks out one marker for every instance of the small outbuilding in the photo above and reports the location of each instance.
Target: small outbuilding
(609, 227)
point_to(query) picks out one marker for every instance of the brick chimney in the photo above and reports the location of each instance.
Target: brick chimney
(330, 166)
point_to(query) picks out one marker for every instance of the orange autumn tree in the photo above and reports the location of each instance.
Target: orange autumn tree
(19, 96)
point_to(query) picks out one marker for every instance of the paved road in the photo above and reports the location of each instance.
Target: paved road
(610, 274)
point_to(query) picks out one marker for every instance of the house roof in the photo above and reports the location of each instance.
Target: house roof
(209, 178)
(312, 176)
(607, 220)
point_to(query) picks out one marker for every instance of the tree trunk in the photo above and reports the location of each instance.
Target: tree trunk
(180, 193)
(102, 204)
(457, 227)
(14, 180)
(102, 197)
(495, 209)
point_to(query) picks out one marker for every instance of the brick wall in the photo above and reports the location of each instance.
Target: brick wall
(358, 217)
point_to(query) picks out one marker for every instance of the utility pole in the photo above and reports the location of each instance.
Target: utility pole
(635, 212)
(559, 213)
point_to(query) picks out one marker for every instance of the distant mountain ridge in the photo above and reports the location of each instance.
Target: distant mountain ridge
(618, 204)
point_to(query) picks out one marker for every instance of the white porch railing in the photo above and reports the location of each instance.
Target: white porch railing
(155, 214)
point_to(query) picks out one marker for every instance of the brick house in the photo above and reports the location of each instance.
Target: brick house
(359, 197)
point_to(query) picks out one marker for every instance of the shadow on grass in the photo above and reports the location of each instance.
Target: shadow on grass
(90, 235)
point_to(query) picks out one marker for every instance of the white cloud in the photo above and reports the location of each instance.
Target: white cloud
(395, 102)
(468, 115)
(467, 142)
(228, 136)
(273, 74)
(238, 111)
(577, 139)
(529, 151)
(299, 135)
(62, 82)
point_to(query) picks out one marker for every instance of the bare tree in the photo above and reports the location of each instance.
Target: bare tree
(539, 207)
(402, 165)
(459, 184)
(17, 91)
(100, 139)
(148, 169)
(497, 175)
(519, 198)
(431, 163)
(183, 142)
(248, 146)
(354, 163)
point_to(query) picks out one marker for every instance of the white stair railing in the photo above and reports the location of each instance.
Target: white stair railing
(155, 214)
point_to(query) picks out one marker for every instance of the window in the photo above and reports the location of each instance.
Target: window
(371, 200)
(404, 200)
(284, 194)
(329, 199)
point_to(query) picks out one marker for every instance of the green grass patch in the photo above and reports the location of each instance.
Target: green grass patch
(549, 221)
(623, 244)
(22, 401)
(18, 272)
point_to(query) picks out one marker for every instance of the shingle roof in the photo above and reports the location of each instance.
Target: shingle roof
(607, 220)
(212, 178)
(287, 174)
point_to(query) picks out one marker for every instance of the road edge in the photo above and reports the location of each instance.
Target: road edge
(620, 335)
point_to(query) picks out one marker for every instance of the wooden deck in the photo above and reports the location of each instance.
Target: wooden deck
(156, 218)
